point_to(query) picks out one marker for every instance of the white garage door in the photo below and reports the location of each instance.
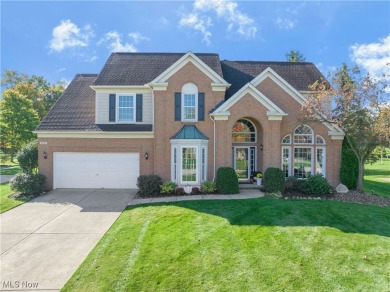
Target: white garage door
(95, 170)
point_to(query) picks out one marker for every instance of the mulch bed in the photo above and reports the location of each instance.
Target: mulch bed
(350, 197)
(138, 196)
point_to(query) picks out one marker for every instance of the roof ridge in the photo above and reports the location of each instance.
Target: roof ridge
(162, 53)
(266, 62)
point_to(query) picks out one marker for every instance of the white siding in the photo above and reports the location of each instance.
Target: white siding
(102, 103)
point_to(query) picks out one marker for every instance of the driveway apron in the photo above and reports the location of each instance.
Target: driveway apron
(45, 240)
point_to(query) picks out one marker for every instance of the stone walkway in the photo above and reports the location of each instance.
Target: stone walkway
(244, 194)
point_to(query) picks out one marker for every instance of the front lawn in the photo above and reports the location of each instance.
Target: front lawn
(11, 170)
(377, 178)
(242, 245)
(8, 203)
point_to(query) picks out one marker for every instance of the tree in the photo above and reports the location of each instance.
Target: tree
(360, 110)
(17, 121)
(295, 56)
(42, 94)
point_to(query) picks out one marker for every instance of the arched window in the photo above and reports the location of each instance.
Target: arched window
(244, 131)
(320, 140)
(303, 134)
(189, 102)
(286, 139)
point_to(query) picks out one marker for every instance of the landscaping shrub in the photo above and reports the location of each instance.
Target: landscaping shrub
(168, 187)
(180, 191)
(149, 185)
(195, 191)
(276, 195)
(227, 181)
(28, 157)
(314, 185)
(208, 187)
(274, 180)
(349, 168)
(28, 184)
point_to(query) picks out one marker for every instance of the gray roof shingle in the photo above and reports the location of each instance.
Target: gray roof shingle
(299, 74)
(142, 68)
(75, 110)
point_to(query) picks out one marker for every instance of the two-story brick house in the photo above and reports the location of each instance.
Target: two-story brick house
(182, 116)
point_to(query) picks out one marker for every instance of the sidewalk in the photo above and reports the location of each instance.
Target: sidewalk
(244, 194)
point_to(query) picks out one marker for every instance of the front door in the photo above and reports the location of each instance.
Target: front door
(241, 162)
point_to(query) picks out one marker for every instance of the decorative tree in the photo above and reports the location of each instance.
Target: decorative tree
(295, 56)
(360, 109)
(17, 121)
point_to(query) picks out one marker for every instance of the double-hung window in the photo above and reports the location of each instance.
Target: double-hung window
(126, 108)
(189, 107)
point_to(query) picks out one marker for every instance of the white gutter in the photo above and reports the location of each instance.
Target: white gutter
(214, 148)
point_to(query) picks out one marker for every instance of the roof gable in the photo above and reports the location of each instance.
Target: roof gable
(189, 57)
(138, 69)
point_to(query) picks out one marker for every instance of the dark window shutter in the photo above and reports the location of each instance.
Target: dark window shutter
(177, 106)
(111, 116)
(138, 115)
(200, 106)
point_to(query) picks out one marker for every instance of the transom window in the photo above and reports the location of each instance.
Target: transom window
(126, 108)
(320, 140)
(303, 135)
(286, 139)
(243, 131)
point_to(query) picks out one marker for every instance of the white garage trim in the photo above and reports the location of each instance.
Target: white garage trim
(95, 170)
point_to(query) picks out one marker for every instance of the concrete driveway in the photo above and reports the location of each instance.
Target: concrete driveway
(45, 240)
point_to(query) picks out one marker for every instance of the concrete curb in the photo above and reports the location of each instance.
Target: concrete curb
(244, 194)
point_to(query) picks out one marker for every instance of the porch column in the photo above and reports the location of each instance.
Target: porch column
(272, 145)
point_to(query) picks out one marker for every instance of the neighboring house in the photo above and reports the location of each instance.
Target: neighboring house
(182, 116)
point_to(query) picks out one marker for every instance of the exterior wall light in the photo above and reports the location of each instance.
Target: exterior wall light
(261, 146)
(146, 156)
(44, 155)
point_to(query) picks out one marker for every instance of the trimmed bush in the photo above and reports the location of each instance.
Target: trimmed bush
(195, 191)
(314, 185)
(180, 191)
(208, 187)
(28, 184)
(149, 185)
(227, 181)
(168, 187)
(349, 168)
(274, 180)
(28, 157)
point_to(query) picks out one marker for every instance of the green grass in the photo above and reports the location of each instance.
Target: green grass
(8, 203)
(242, 245)
(377, 178)
(10, 171)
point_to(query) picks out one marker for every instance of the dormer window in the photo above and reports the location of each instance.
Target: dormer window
(126, 108)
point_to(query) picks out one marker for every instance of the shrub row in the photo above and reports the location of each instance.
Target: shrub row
(314, 185)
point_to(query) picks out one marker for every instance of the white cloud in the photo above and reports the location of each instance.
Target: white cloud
(69, 35)
(115, 42)
(373, 57)
(163, 21)
(199, 23)
(227, 10)
(285, 23)
(62, 69)
(137, 37)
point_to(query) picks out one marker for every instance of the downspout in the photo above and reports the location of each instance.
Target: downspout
(213, 149)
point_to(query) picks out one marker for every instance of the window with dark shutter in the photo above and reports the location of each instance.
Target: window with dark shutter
(201, 106)
(177, 106)
(139, 108)
(111, 110)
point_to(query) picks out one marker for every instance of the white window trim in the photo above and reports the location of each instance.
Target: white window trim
(289, 167)
(239, 142)
(319, 136)
(204, 173)
(312, 136)
(174, 164)
(179, 144)
(324, 160)
(289, 135)
(313, 159)
(117, 108)
(196, 107)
